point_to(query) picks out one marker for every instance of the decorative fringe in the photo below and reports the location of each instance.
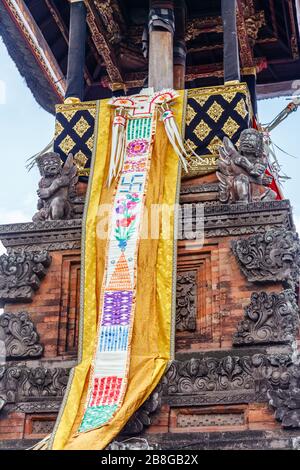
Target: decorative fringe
(117, 145)
(168, 118)
(41, 445)
(163, 99)
(32, 160)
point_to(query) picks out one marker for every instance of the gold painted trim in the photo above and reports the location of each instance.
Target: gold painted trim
(76, 106)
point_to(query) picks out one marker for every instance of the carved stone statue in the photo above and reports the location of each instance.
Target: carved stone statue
(56, 187)
(241, 175)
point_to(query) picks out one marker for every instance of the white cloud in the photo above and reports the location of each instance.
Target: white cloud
(2, 92)
(13, 216)
(297, 222)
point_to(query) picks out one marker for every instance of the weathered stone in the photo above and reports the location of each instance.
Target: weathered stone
(242, 174)
(286, 401)
(19, 335)
(226, 379)
(50, 235)
(269, 318)
(56, 187)
(133, 444)
(270, 257)
(186, 301)
(21, 274)
(20, 382)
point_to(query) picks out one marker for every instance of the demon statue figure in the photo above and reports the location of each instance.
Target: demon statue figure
(242, 175)
(56, 187)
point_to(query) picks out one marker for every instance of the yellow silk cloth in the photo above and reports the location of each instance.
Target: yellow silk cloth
(151, 347)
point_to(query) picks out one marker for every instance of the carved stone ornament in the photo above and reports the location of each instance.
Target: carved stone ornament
(270, 257)
(270, 318)
(186, 301)
(242, 175)
(142, 417)
(20, 336)
(228, 379)
(21, 274)
(133, 444)
(21, 383)
(286, 401)
(56, 187)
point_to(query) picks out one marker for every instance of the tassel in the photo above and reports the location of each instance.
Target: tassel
(117, 145)
(167, 116)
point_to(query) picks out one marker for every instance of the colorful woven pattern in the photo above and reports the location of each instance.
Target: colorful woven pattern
(110, 367)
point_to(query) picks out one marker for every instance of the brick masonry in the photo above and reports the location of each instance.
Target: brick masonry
(222, 293)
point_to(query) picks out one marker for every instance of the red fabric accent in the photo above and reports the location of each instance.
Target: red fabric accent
(274, 186)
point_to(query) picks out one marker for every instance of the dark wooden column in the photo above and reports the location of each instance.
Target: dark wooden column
(179, 45)
(76, 54)
(231, 49)
(161, 32)
(249, 76)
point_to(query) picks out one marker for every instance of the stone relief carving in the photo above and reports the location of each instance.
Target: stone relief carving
(229, 379)
(142, 417)
(269, 318)
(20, 336)
(56, 187)
(186, 308)
(19, 383)
(286, 401)
(269, 257)
(241, 174)
(21, 274)
(133, 444)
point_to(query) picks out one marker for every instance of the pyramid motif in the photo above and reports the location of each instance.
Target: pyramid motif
(120, 279)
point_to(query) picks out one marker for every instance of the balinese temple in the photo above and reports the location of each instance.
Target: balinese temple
(153, 300)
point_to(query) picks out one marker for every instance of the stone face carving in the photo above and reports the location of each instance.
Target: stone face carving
(286, 401)
(142, 417)
(186, 301)
(269, 257)
(270, 318)
(241, 174)
(56, 187)
(21, 274)
(19, 335)
(21, 383)
(229, 379)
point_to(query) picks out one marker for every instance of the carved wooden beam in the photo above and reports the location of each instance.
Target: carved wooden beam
(38, 44)
(293, 37)
(246, 52)
(103, 45)
(193, 72)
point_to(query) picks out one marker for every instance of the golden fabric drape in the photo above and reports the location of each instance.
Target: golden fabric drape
(151, 347)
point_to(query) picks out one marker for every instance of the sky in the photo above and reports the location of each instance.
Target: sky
(26, 128)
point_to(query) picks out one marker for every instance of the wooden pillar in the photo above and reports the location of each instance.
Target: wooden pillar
(76, 53)
(231, 49)
(249, 76)
(161, 32)
(179, 45)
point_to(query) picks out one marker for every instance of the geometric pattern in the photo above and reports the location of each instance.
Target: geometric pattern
(117, 308)
(212, 114)
(74, 132)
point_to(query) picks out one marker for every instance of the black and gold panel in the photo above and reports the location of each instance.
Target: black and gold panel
(74, 133)
(211, 114)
